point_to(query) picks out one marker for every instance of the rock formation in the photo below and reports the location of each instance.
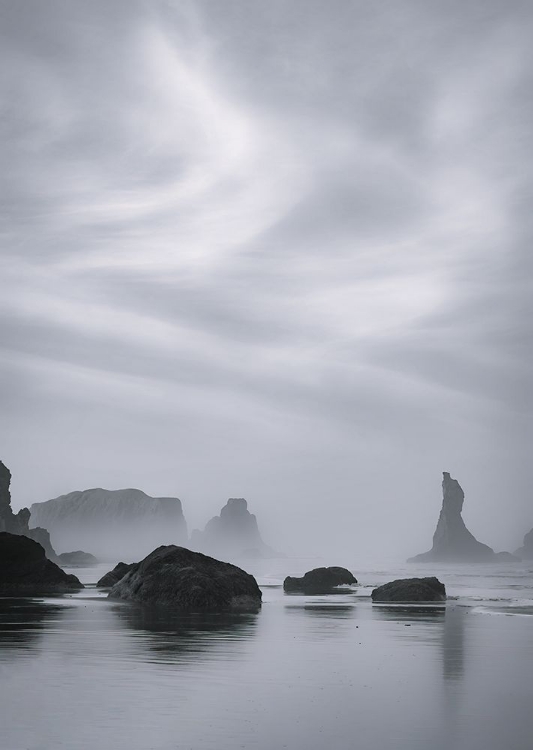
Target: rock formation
(185, 580)
(115, 575)
(113, 524)
(319, 581)
(19, 523)
(25, 569)
(77, 559)
(411, 590)
(526, 552)
(452, 542)
(234, 533)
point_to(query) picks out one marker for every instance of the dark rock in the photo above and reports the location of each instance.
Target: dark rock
(42, 537)
(125, 523)
(411, 590)
(526, 552)
(186, 580)
(115, 575)
(25, 569)
(319, 580)
(232, 534)
(77, 559)
(452, 542)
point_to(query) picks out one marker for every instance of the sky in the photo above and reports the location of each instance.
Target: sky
(276, 250)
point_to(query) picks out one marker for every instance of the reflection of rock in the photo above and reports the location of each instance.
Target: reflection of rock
(234, 533)
(23, 621)
(177, 577)
(77, 559)
(24, 569)
(19, 523)
(410, 590)
(112, 523)
(319, 580)
(452, 541)
(526, 552)
(115, 575)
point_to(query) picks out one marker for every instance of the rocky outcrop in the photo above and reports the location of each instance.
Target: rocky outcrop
(319, 581)
(186, 580)
(19, 523)
(113, 524)
(115, 575)
(411, 590)
(25, 569)
(77, 559)
(526, 551)
(452, 542)
(232, 534)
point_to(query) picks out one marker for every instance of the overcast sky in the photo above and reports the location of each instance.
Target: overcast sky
(279, 250)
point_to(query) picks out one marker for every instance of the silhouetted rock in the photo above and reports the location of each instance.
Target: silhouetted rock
(186, 580)
(112, 523)
(25, 569)
(411, 590)
(526, 552)
(319, 580)
(77, 559)
(115, 575)
(233, 533)
(19, 523)
(452, 542)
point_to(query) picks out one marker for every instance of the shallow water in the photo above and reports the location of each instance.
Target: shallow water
(307, 673)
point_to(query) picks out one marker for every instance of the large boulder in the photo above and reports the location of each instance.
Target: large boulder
(319, 580)
(25, 569)
(186, 580)
(77, 559)
(113, 524)
(115, 575)
(232, 534)
(411, 590)
(526, 552)
(452, 542)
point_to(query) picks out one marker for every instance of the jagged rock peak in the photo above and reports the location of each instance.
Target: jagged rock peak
(526, 552)
(234, 533)
(452, 541)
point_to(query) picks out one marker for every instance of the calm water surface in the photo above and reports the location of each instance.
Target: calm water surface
(305, 673)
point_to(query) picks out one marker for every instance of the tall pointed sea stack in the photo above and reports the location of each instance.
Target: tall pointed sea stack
(452, 542)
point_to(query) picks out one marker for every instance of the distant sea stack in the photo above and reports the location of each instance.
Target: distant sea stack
(526, 552)
(19, 523)
(234, 533)
(452, 542)
(112, 524)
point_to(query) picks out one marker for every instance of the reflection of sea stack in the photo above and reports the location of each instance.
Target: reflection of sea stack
(452, 542)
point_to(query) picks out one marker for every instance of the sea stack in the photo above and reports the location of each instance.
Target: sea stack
(526, 552)
(452, 542)
(234, 533)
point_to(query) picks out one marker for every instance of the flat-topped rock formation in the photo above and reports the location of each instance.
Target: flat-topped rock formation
(411, 590)
(19, 523)
(113, 524)
(25, 569)
(452, 542)
(77, 559)
(319, 581)
(234, 533)
(526, 551)
(188, 581)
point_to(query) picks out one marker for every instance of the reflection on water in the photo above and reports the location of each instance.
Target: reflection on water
(22, 621)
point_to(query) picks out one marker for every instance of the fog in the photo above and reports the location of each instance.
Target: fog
(278, 251)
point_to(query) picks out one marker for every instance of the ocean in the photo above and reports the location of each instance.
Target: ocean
(305, 673)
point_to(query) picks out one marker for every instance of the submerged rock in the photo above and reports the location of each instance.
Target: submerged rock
(77, 559)
(411, 590)
(25, 569)
(115, 575)
(452, 542)
(319, 580)
(112, 523)
(526, 552)
(186, 580)
(234, 533)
